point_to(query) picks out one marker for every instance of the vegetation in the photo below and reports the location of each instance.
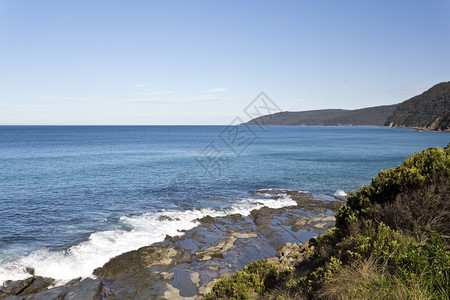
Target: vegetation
(430, 110)
(391, 241)
(412, 198)
(329, 117)
(248, 283)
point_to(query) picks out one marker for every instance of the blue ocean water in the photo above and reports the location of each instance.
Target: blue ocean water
(72, 195)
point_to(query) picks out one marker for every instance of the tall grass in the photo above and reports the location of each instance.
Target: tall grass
(367, 279)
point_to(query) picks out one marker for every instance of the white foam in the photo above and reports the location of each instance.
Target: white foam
(80, 260)
(275, 192)
(340, 193)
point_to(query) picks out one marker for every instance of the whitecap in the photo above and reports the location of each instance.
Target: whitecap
(340, 193)
(146, 229)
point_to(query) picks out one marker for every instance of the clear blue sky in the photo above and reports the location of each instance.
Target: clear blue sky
(202, 62)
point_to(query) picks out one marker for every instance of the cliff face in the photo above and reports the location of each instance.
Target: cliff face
(430, 110)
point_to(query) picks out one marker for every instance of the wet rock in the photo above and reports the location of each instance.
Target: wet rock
(206, 289)
(167, 276)
(302, 223)
(310, 202)
(56, 293)
(214, 267)
(29, 270)
(16, 287)
(172, 293)
(318, 222)
(23, 288)
(320, 225)
(209, 220)
(85, 289)
(39, 284)
(135, 261)
(195, 278)
(76, 289)
(187, 266)
(329, 219)
(141, 274)
(207, 257)
(222, 247)
(167, 218)
(106, 292)
(245, 235)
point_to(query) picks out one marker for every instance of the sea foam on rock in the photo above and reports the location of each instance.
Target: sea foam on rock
(187, 265)
(80, 260)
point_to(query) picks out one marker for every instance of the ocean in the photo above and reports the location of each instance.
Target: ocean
(72, 197)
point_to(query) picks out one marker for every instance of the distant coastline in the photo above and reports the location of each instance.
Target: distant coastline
(351, 125)
(429, 111)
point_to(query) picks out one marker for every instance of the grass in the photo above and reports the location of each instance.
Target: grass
(367, 279)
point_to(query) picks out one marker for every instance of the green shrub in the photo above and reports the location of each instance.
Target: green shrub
(398, 272)
(378, 241)
(390, 242)
(247, 283)
(414, 197)
(431, 262)
(399, 222)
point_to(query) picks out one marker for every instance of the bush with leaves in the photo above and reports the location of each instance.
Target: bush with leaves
(247, 283)
(391, 241)
(413, 198)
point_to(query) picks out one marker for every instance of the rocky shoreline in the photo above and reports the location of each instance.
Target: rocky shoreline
(187, 266)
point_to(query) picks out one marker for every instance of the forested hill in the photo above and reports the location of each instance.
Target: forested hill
(430, 110)
(329, 117)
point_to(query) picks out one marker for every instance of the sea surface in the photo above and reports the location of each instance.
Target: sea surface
(71, 197)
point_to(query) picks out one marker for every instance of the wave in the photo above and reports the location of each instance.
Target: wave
(146, 229)
(275, 192)
(340, 193)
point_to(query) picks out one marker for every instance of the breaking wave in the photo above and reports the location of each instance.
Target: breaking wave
(80, 260)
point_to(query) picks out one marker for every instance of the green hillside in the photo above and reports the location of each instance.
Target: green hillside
(430, 110)
(329, 117)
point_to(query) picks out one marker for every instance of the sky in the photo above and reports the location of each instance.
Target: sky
(202, 62)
